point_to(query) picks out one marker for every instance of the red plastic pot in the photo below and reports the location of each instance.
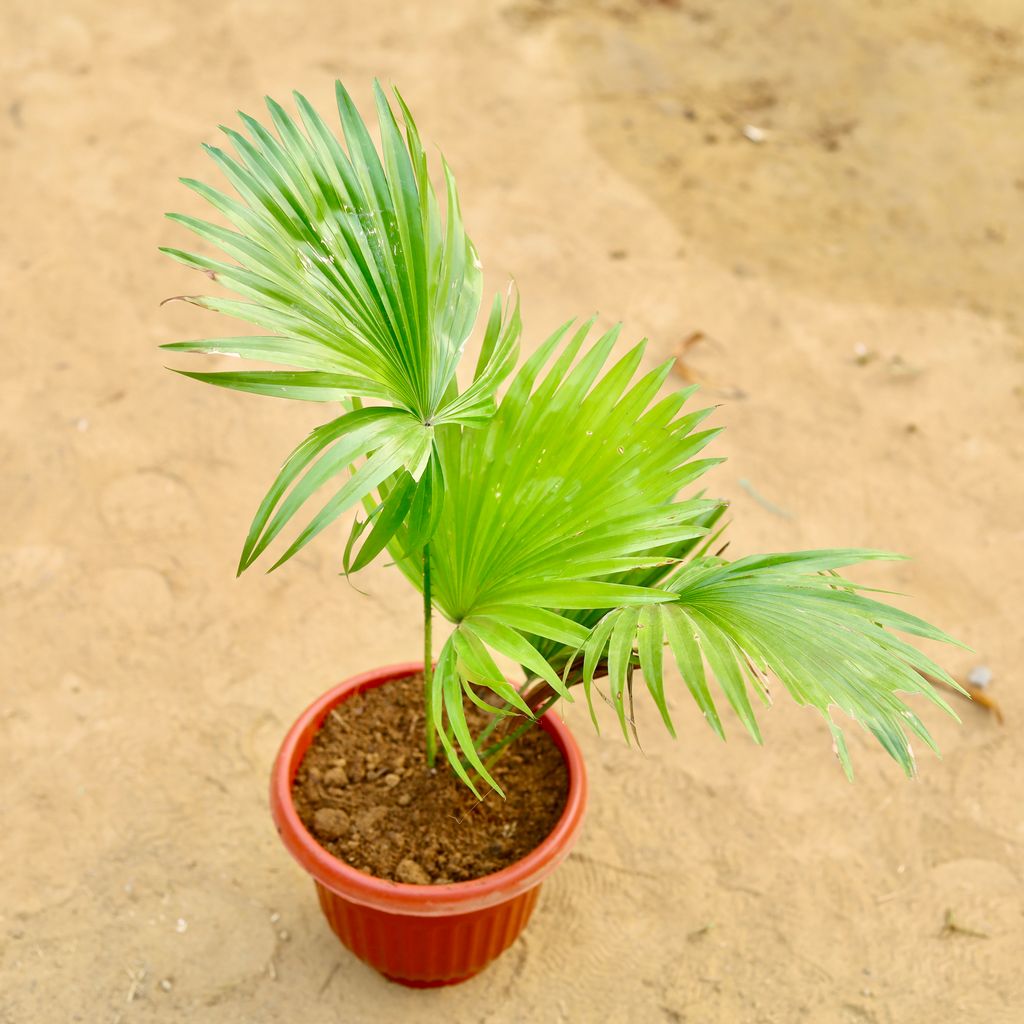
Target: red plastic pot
(421, 935)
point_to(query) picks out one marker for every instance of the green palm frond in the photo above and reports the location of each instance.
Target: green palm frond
(573, 480)
(571, 487)
(563, 546)
(366, 290)
(786, 615)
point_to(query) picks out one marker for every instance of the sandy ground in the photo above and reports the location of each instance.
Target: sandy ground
(602, 158)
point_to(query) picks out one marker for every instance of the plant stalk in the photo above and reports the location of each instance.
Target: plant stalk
(494, 752)
(541, 700)
(428, 662)
(498, 719)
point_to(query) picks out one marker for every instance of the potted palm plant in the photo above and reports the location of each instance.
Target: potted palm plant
(539, 512)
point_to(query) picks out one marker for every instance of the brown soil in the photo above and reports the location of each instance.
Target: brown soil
(365, 792)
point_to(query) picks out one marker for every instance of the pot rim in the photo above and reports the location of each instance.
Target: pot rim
(400, 897)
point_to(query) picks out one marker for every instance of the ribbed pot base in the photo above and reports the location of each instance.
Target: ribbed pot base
(427, 952)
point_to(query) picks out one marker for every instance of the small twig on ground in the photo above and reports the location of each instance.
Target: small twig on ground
(330, 977)
(764, 502)
(977, 692)
(987, 701)
(137, 978)
(886, 897)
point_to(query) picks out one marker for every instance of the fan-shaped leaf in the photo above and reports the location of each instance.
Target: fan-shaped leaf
(787, 614)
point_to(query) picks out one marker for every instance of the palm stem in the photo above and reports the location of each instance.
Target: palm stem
(428, 661)
(493, 752)
(498, 719)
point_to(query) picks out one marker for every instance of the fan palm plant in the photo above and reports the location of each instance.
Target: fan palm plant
(545, 523)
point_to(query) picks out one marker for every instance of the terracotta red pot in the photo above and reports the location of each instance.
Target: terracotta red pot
(421, 935)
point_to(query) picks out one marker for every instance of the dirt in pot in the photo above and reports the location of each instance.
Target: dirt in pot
(365, 793)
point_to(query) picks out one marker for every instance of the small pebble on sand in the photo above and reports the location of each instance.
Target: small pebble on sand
(980, 675)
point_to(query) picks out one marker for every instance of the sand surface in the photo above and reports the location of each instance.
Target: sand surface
(797, 182)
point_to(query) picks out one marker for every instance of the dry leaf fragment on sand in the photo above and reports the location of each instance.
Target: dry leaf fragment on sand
(680, 366)
(951, 927)
(682, 369)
